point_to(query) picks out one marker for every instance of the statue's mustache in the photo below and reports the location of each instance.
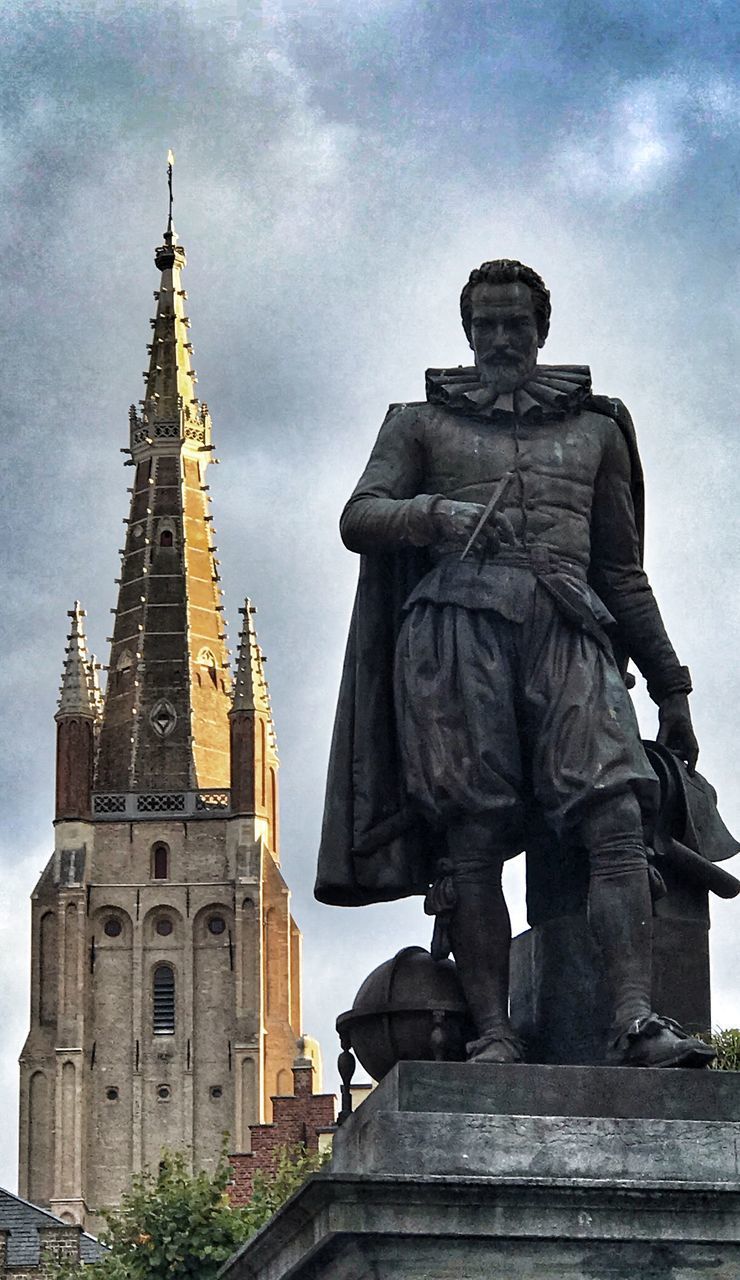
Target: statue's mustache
(502, 357)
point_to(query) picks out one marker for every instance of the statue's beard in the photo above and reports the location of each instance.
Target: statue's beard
(505, 375)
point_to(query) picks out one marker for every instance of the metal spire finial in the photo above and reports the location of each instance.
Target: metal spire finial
(170, 163)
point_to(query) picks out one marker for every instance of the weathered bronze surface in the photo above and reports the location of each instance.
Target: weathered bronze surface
(484, 706)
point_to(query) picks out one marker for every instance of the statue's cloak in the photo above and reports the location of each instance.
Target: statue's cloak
(374, 846)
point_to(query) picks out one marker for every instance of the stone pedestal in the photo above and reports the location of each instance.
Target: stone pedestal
(520, 1173)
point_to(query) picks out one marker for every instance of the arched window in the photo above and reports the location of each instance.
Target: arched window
(160, 862)
(165, 538)
(163, 992)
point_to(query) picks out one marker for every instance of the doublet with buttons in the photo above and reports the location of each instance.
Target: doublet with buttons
(571, 500)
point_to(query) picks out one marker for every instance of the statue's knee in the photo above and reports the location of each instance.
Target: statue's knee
(612, 833)
(614, 817)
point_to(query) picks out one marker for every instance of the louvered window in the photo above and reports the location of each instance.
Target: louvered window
(164, 1000)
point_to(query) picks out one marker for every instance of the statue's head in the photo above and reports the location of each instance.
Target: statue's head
(505, 310)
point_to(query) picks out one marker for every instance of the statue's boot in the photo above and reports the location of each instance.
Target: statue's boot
(621, 919)
(480, 935)
(500, 1045)
(653, 1041)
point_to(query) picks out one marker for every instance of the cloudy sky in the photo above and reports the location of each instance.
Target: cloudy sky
(341, 165)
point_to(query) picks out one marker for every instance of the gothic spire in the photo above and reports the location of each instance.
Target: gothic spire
(251, 692)
(170, 380)
(254, 758)
(165, 726)
(77, 694)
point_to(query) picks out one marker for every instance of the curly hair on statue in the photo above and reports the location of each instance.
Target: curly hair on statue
(506, 271)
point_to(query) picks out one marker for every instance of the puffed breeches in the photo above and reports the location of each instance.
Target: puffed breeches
(494, 715)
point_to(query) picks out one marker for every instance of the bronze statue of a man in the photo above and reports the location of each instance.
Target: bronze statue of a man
(501, 592)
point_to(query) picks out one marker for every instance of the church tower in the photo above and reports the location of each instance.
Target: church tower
(166, 966)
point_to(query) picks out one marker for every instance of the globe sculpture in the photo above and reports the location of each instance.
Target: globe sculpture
(410, 1008)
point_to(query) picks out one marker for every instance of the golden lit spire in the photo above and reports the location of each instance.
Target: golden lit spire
(170, 410)
(166, 724)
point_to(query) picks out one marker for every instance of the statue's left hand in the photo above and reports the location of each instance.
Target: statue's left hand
(676, 730)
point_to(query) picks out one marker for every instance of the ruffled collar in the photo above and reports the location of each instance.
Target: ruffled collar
(553, 391)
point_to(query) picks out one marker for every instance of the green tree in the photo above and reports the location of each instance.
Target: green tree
(177, 1225)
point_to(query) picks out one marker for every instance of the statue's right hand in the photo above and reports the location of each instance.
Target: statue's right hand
(455, 521)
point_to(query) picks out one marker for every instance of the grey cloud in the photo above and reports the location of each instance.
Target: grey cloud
(646, 132)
